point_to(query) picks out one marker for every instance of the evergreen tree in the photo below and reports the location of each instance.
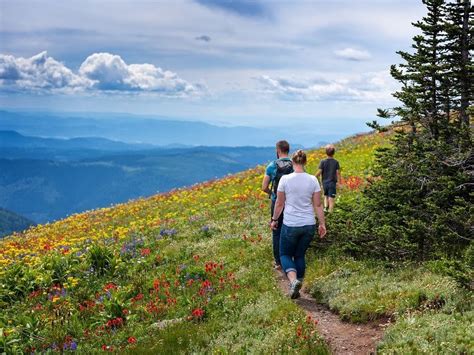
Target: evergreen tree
(422, 206)
(421, 75)
(459, 21)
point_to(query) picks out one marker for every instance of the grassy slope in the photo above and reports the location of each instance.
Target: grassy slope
(136, 262)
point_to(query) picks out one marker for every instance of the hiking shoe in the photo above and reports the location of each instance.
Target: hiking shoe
(295, 287)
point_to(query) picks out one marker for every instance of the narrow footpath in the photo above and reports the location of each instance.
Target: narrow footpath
(342, 337)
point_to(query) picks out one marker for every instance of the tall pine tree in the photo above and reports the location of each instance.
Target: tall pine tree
(422, 206)
(459, 28)
(421, 76)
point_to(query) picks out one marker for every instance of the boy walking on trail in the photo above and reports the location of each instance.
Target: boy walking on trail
(275, 170)
(330, 171)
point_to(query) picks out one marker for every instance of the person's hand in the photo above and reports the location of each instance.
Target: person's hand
(322, 231)
(274, 225)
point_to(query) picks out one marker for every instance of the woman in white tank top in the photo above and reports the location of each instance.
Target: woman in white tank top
(300, 195)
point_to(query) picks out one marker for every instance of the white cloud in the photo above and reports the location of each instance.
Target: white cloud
(40, 72)
(110, 72)
(99, 72)
(352, 54)
(368, 87)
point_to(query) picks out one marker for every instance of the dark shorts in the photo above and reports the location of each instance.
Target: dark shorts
(329, 189)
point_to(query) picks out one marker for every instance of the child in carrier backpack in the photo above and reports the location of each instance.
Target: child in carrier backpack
(273, 173)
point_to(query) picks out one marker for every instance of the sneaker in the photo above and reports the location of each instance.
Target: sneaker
(295, 287)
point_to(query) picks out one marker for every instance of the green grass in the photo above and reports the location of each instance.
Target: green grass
(361, 291)
(431, 313)
(430, 333)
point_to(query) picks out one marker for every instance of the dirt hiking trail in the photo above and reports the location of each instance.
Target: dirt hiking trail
(342, 337)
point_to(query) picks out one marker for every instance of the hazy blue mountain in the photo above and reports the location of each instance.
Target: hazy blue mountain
(157, 131)
(13, 139)
(45, 190)
(14, 145)
(11, 222)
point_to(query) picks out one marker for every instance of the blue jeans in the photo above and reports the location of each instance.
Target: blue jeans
(294, 241)
(276, 235)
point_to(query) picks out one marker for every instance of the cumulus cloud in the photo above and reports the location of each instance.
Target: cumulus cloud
(40, 72)
(110, 72)
(371, 87)
(352, 54)
(204, 38)
(99, 72)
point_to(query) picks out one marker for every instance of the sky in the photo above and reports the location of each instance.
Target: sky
(300, 64)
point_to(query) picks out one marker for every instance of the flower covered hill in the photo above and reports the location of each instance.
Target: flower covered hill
(185, 271)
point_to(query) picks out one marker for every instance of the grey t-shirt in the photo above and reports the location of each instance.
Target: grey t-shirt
(329, 167)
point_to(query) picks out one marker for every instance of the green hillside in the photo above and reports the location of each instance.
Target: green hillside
(191, 271)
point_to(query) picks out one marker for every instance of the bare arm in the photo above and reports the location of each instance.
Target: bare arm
(266, 184)
(318, 174)
(318, 208)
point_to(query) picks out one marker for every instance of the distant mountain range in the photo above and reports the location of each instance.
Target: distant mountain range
(14, 145)
(146, 130)
(52, 165)
(13, 139)
(46, 179)
(11, 222)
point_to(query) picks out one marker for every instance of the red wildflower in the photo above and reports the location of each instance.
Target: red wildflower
(299, 331)
(196, 257)
(114, 323)
(137, 298)
(353, 182)
(132, 340)
(35, 293)
(198, 313)
(145, 252)
(110, 286)
(206, 284)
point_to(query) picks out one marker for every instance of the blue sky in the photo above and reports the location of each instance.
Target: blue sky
(305, 64)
